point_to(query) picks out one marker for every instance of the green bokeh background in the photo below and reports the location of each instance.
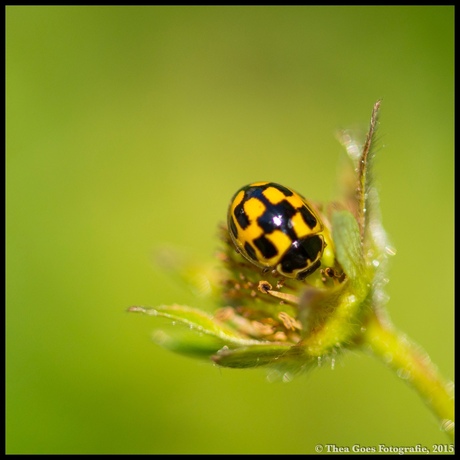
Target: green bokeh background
(129, 128)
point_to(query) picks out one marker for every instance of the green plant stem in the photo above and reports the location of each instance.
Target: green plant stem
(411, 363)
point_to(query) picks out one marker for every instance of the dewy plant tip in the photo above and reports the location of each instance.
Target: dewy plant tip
(298, 284)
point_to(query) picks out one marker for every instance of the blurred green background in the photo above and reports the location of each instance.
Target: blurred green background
(129, 128)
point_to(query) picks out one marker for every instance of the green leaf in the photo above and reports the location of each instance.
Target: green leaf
(262, 354)
(331, 317)
(346, 236)
(188, 343)
(203, 334)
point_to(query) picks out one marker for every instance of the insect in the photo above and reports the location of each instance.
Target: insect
(275, 228)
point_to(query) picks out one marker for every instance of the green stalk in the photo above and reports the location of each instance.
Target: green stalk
(411, 363)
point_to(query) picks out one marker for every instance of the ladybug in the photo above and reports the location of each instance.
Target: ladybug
(275, 228)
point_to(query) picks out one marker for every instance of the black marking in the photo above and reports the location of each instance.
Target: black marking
(250, 251)
(278, 217)
(254, 192)
(302, 254)
(266, 247)
(240, 216)
(308, 217)
(275, 216)
(302, 275)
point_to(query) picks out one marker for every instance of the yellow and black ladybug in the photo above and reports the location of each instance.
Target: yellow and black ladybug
(276, 228)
